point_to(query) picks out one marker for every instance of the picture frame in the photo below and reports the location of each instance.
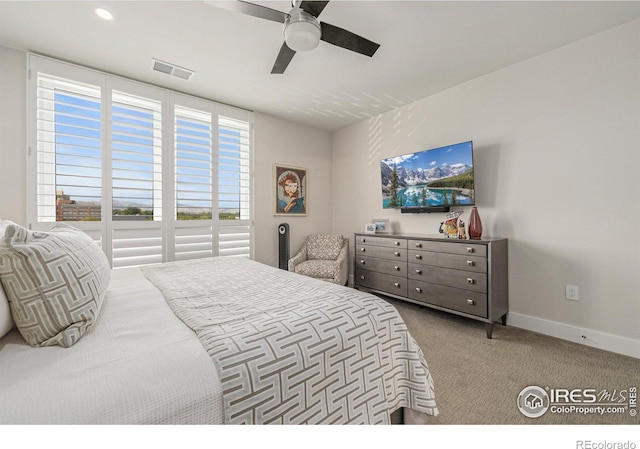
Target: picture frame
(290, 191)
(382, 225)
(449, 227)
(370, 228)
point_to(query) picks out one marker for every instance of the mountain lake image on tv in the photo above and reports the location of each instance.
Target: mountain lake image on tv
(429, 178)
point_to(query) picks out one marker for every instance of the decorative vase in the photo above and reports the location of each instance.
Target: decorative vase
(475, 225)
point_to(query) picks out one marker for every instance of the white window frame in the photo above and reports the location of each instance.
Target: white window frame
(104, 230)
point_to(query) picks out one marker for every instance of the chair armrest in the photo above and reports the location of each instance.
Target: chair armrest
(298, 258)
(342, 265)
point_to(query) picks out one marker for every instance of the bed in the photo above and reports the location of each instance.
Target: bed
(215, 341)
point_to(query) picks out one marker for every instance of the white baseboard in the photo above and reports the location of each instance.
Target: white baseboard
(588, 337)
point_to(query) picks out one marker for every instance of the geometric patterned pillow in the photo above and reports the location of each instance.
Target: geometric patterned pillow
(56, 282)
(6, 322)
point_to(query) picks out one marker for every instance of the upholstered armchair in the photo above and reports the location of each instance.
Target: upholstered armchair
(323, 256)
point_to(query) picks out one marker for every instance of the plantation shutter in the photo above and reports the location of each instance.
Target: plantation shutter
(69, 154)
(194, 161)
(234, 187)
(151, 180)
(136, 166)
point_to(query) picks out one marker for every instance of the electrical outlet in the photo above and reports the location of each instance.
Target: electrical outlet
(571, 292)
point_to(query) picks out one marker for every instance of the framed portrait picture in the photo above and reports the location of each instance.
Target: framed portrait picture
(382, 226)
(370, 228)
(290, 185)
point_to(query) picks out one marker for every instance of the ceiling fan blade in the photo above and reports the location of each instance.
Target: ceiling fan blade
(251, 9)
(312, 7)
(346, 39)
(282, 61)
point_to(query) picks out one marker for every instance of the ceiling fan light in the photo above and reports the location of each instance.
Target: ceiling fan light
(301, 31)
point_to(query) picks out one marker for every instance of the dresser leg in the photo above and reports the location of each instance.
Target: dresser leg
(504, 319)
(489, 328)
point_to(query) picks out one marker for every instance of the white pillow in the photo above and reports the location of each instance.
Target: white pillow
(6, 322)
(56, 282)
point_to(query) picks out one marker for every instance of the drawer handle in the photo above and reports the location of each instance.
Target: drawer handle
(471, 302)
(470, 250)
(470, 263)
(362, 262)
(418, 271)
(363, 249)
(418, 245)
(470, 281)
(418, 289)
(362, 277)
(396, 268)
(363, 240)
(396, 254)
(418, 256)
(396, 243)
(396, 284)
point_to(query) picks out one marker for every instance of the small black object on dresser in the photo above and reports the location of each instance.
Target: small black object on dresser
(464, 277)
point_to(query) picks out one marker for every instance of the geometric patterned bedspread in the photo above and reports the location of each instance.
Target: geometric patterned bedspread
(295, 350)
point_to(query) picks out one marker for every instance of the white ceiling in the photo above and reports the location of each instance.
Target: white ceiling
(426, 47)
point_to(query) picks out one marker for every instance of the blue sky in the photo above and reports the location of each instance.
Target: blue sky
(78, 160)
(460, 153)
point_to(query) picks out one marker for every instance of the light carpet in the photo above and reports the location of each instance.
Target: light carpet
(478, 380)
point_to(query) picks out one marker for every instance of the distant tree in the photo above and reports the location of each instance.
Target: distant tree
(194, 216)
(393, 191)
(128, 211)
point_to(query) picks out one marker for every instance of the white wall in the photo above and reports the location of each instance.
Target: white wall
(285, 143)
(12, 135)
(275, 141)
(557, 161)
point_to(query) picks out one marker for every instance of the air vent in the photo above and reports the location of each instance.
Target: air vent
(171, 69)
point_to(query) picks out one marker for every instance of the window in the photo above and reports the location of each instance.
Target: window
(234, 187)
(194, 164)
(69, 150)
(136, 158)
(151, 174)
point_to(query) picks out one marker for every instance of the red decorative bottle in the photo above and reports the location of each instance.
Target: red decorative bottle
(475, 225)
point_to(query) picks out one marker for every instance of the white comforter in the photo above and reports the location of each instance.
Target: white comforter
(138, 365)
(290, 349)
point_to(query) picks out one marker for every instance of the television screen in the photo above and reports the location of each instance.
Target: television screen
(429, 178)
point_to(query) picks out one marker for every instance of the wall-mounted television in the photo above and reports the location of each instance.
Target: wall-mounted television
(429, 180)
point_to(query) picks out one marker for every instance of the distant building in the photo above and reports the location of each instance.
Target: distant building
(70, 210)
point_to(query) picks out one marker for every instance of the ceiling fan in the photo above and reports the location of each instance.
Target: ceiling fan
(302, 29)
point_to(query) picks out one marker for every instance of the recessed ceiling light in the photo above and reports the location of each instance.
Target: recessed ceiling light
(104, 14)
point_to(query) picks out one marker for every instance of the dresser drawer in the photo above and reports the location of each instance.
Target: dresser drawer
(474, 303)
(386, 283)
(457, 261)
(381, 241)
(468, 280)
(392, 267)
(399, 254)
(450, 247)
